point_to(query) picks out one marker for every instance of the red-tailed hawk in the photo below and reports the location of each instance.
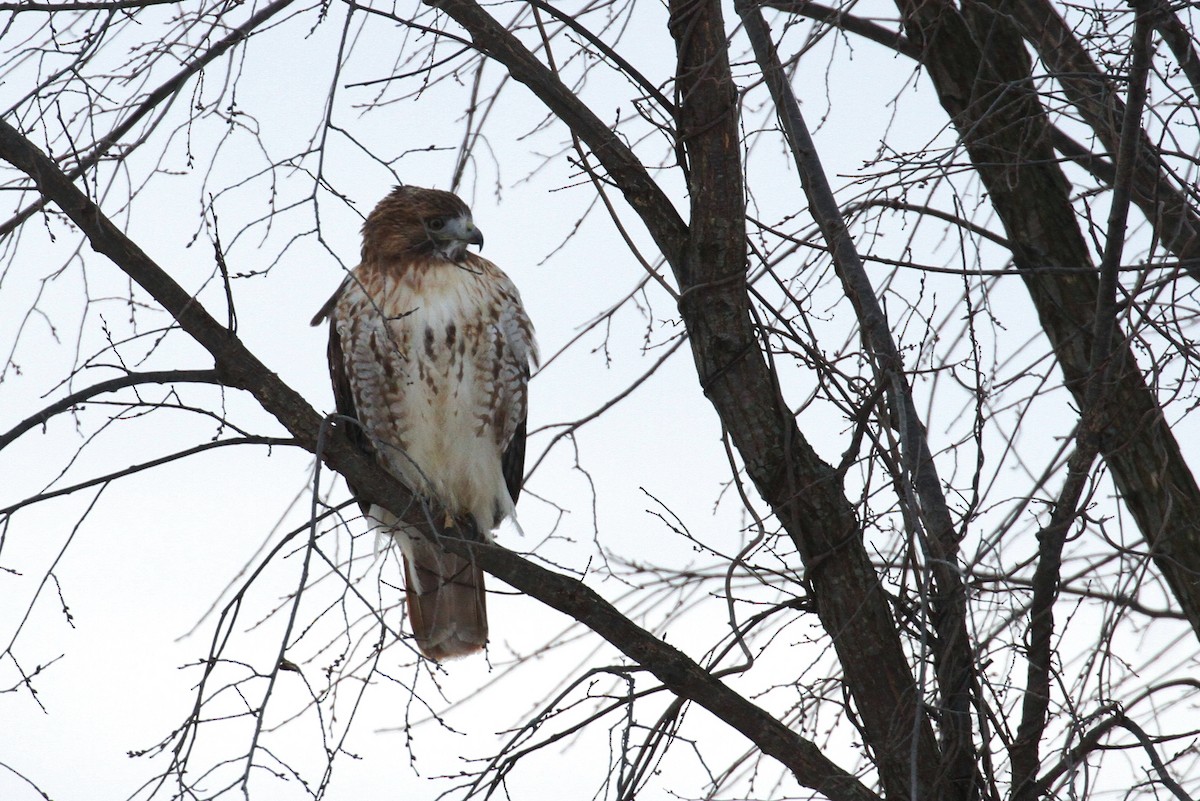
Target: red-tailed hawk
(430, 350)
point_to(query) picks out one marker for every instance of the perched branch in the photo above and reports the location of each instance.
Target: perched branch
(241, 369)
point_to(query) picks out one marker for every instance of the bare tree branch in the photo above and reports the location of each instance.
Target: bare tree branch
(919, 477)
(1004, 129)
(1178, 39)
(240, 369)
(85, 161)
(1094, 96)
(143, 466)
(800, 487)
(1036, 700)
(960, 606)
(113, 384)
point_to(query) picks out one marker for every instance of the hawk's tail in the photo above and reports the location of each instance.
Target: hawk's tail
(446, 601)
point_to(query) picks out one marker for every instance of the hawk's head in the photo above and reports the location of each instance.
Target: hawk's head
(413, 221)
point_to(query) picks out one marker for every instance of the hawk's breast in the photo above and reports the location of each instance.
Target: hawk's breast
(437, 361)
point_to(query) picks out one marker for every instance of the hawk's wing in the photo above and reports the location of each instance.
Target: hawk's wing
(513, 373)
(343, 397)
(513, 461)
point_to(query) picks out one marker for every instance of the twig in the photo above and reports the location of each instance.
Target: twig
(128, 380)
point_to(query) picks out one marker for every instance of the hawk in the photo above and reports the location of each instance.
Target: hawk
(430, 351)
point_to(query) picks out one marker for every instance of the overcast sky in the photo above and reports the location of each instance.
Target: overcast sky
(137, 569)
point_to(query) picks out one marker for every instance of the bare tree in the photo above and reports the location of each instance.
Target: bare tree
(956, 549)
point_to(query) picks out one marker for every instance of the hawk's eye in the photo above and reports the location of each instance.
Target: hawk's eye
(437, 223)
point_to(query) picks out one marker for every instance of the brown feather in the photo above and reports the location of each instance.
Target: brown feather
(514, 461)
(447, 604)
(343, 397)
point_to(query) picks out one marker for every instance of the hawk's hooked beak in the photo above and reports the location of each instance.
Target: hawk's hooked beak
(476, 237)
(454, 238)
